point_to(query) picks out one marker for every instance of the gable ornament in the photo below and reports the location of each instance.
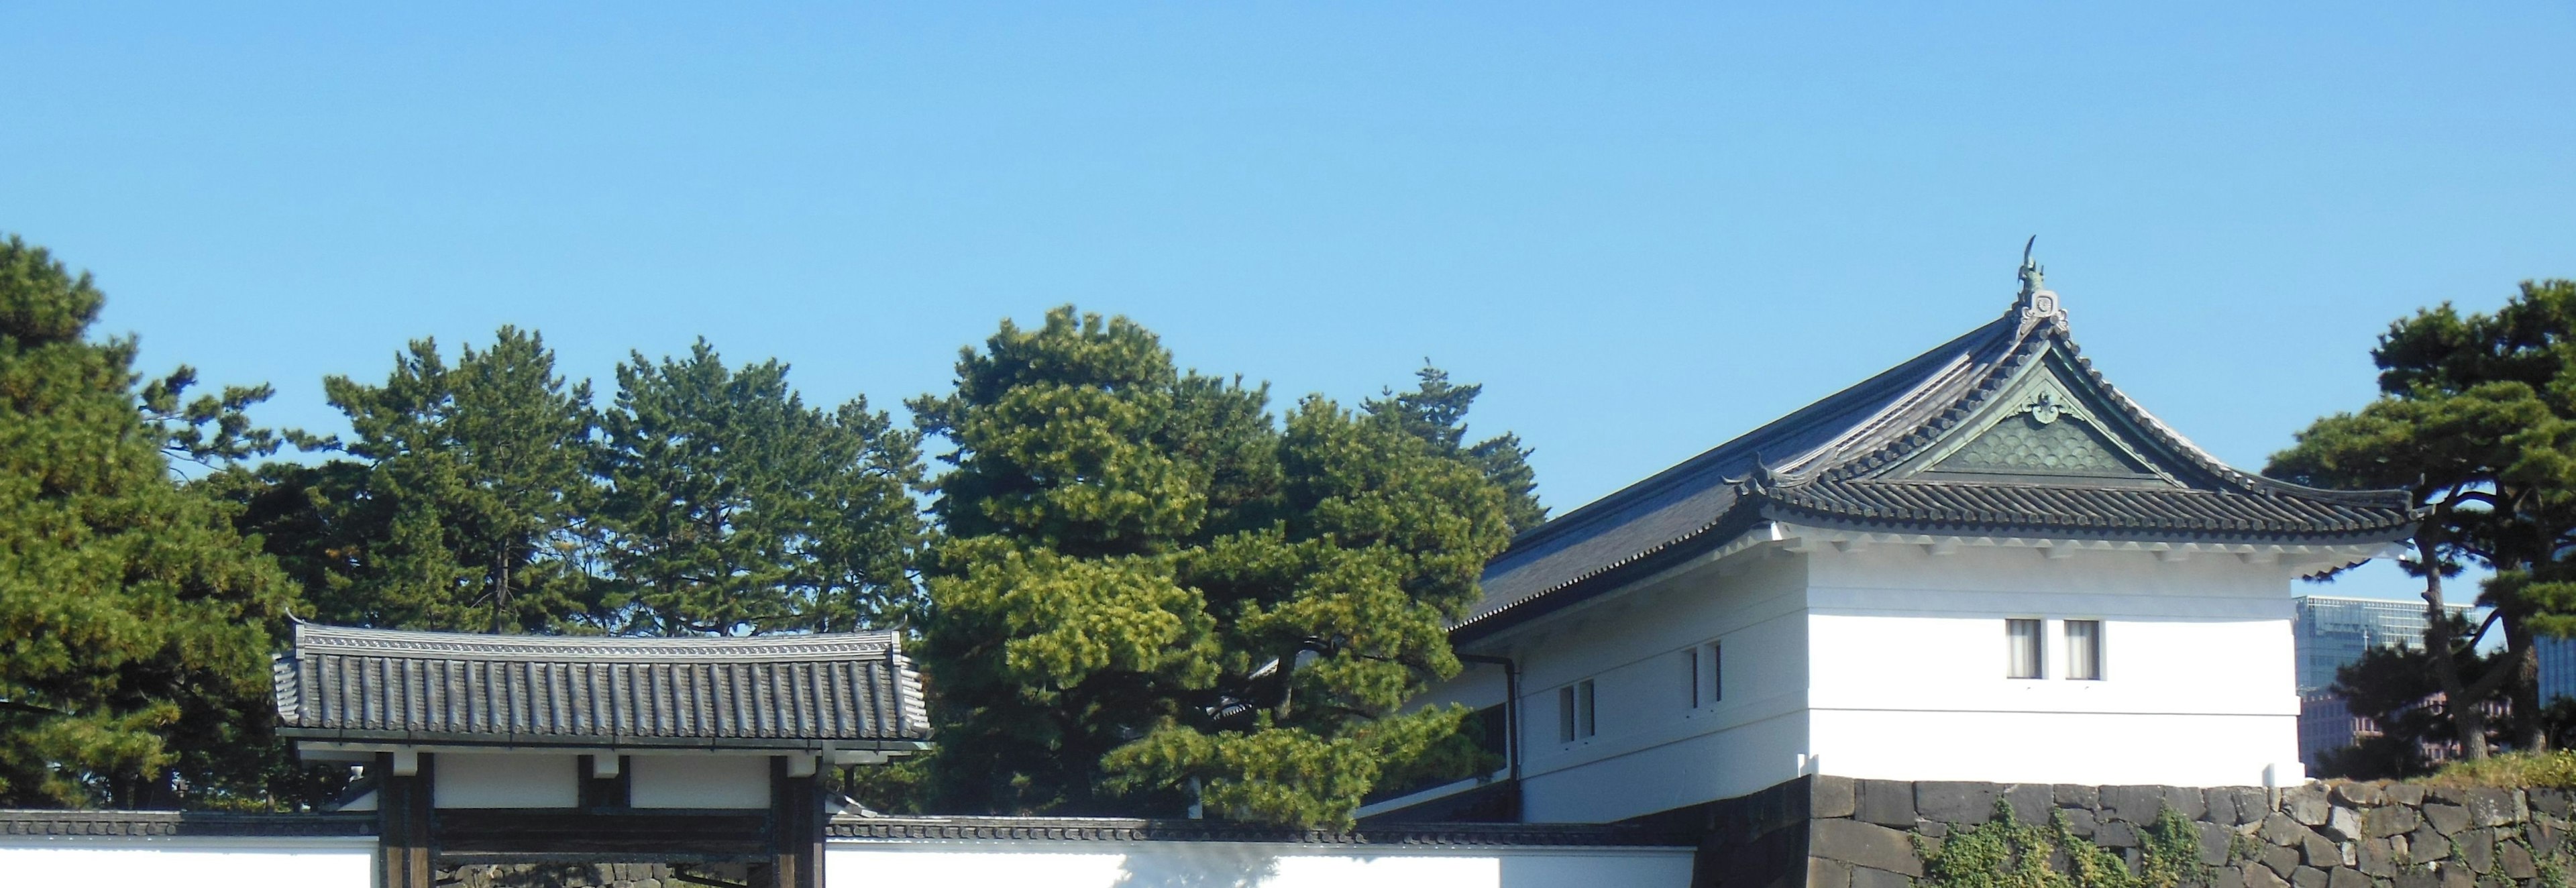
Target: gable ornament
(2038, 303)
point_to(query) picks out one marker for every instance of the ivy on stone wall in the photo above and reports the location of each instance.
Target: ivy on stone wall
(2006, 853)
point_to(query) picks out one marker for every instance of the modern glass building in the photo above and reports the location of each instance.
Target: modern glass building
(2333, 631)
(2557, 667)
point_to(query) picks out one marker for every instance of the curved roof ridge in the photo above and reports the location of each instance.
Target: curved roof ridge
(415, 644)
(1741, 448)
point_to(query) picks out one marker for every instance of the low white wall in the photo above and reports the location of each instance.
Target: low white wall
(194, 863)
(1074, 864)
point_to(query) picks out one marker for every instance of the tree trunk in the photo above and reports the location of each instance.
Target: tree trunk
(2465, 715)
(2522, 660)
(500, 589)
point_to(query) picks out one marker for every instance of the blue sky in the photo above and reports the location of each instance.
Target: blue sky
(1646, 228)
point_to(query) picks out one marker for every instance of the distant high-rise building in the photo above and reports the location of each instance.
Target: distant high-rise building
(2557, 667)
(2333, 631)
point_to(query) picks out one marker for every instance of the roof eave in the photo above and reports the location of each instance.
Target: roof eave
(600, 741)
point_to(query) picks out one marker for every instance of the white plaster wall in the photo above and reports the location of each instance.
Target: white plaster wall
(1908, 682)
(699, 781)
(228, 863)
(1653, 750)
(1243, 865)
(505, 780)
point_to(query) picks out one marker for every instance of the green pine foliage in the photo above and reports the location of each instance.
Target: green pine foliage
(462, 502)
(732, 507)
(134, 620)
(2477, 419)
(1436, 412)
(1153, 593)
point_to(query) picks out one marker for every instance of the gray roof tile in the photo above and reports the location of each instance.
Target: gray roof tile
(1844, 461)
(426, 686)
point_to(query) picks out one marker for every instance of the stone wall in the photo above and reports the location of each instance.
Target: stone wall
(1834, 832)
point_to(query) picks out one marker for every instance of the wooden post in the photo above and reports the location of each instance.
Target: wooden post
(403, 811)
(795, 827)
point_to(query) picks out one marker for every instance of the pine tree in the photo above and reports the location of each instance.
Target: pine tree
(2477, 420)
(734, 508)
(1148, 584)
(1436, 412)
(465, 507)
(134, 620)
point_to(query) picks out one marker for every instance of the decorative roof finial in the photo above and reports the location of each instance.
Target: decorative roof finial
(2030, 271)
(2037, 304)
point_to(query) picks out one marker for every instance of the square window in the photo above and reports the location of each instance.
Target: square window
(2023, 649)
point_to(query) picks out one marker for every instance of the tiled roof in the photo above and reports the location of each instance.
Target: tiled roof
(180, 824)
(762, 691)
(1106, 829)
(2083, 462)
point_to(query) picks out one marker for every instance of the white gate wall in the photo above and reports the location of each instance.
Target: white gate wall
(1116, 864)
(195, 863)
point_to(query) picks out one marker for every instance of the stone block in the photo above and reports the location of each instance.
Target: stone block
(2342, 877)
(2068, 795)
(2031, 802)
(2116, 834)
(2449, 819)
(2553, 802)
(2477, 850)
(2220, 802)
(2279, 829)
(2213, 843)
(1931, 829)
(2342, 824)
(2458, 877)
(2136, 804)
(1865, 877)
(2306, 804)
(2317, 851)
(2308, 877)
(2389, 820)
(2357, 794)
(2184, 800)
(2543, 835)
(1829, 796)
(1822, 873)
(1863, 844)
(2494, 807)
(2408, 794)
(2079, 821)
(2376, 857)
(1885, 802)
(2227, 877)
(2280, 860)
(2261, 877)
(1953, 801)
(2514, 861)
(2418, 877)
(2427, 844)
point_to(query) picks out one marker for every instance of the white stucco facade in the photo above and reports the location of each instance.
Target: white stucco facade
(224, 862)
(1244, 865)
(197, 863)
(1879, 657)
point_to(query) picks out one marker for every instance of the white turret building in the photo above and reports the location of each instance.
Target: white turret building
(1984, 564)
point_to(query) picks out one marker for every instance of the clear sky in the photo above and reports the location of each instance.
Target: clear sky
(1645, 227)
